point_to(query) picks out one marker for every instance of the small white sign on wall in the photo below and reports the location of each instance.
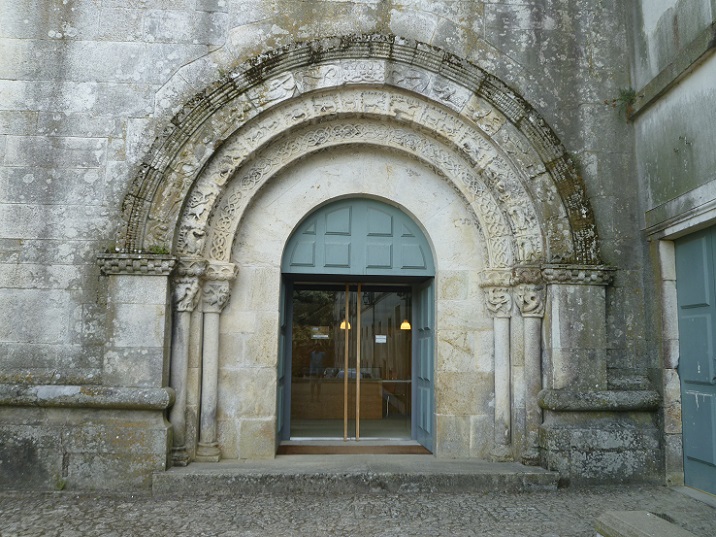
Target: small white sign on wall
(381, 339)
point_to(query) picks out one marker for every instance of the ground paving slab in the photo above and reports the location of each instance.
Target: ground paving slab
(305, 508)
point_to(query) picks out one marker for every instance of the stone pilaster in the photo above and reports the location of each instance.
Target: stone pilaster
(138, 321)
(216, 294)
(576, 329)
(185, 298)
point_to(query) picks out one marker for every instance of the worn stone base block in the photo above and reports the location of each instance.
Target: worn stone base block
(80, 449)
(637, 524)
(605, 448)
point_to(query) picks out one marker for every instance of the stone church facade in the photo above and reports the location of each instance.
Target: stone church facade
(533, 174)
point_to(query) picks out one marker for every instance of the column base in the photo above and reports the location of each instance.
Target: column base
(180, 457)
(531, 458)
(502, 453)
(207, 452)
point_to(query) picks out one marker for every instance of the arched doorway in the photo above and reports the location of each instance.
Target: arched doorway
(477, 166)
(357, 343)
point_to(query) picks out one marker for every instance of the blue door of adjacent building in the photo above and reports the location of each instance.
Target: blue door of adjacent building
(696, 297)
(357, 331)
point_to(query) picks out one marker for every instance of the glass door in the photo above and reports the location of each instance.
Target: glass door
(351, 370)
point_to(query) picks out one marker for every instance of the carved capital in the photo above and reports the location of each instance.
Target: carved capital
(190, 267)
(136, 264)
(220, 271)
(530, 300)
(527, 275)
(185, 295)
(578, 274)
(498, 300)
(216, 295)
(496, 278)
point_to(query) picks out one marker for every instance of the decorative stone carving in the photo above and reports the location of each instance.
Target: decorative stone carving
(191, 267)
(227, 105)
(221, 271)
(217, 288)
(278, 155)
(578, 275)
(498, 301)
(215, 296)
(186, 293)
(530, 300)
(139, 264)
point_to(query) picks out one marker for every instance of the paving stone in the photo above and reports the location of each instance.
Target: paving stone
(562, 513)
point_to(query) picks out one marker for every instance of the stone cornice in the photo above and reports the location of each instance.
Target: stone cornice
(136, 264)
(599, 401)
(108, 397)
(578, 274)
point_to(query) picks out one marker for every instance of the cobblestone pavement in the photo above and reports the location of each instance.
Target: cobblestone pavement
(562, 513)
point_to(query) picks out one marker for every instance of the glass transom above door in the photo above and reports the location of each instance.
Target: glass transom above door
(358, 237)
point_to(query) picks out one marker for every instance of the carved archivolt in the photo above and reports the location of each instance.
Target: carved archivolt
(486, 139)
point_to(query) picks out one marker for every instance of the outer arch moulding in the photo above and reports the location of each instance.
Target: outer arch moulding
(191, 139)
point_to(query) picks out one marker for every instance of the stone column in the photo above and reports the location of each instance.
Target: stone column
(530, 299)
(185, 297)
(216, 293)
(499, 305)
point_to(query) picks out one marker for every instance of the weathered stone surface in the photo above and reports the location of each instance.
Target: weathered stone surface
(85, 397)
(185, 127)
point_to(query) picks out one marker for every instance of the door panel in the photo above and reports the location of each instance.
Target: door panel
(425, 337)
(695, 261)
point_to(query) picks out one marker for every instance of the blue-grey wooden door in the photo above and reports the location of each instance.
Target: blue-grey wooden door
(424, 334)
(696, 291)
(358, 237)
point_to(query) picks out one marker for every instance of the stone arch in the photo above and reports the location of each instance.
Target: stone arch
(475, 133)
(166, 182)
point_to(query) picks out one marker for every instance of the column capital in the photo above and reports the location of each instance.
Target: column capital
(185, 294)
(530, 299)
(527, 274)
(216, 295)
(188, 267)
(498, 301)
(220, 271)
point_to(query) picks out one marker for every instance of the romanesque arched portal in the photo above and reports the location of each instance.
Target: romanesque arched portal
(467, 139)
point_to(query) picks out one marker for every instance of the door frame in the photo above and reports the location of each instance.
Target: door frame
(285, 359)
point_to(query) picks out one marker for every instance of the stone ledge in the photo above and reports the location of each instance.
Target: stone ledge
(636, 524)
(108, 397)
(140, 264)
(600, 401)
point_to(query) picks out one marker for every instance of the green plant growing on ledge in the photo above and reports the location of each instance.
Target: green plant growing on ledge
(624, 103)
(158, 249)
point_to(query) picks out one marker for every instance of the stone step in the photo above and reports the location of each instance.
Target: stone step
(350, 474)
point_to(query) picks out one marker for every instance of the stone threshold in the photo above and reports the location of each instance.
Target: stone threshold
(350, 474)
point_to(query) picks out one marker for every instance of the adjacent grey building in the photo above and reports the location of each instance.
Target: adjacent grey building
(468, 229)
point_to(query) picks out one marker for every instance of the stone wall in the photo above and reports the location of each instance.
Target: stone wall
(86, 87)
(675, 122)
